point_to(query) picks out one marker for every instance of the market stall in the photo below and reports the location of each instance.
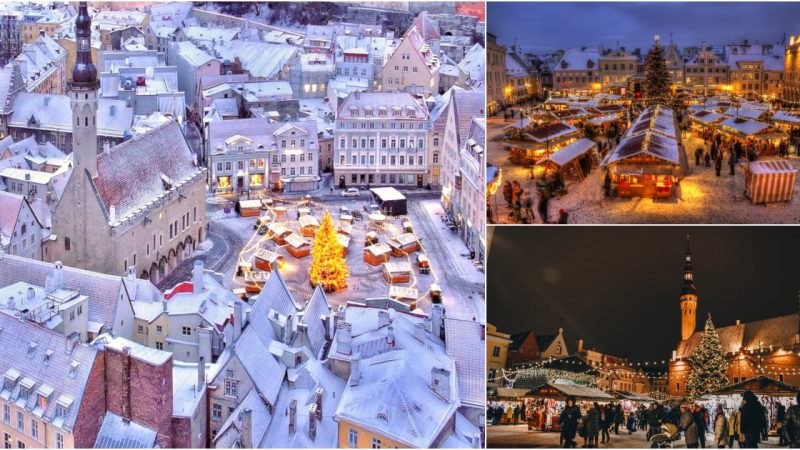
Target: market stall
(397, 272)
(645, 165)
(266, 260)
(391, 201)
(249, 208)
(297, 246)
(573, 161)
(279, 232)
(786, 121)
(770, 393)
(760, 136)
(704, 122)
(769, 180)
(537, 142)
(377, 254)
(344, 241)
(404, 244)
(308, 225)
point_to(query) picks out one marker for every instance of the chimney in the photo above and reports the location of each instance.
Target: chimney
(41, 32)
(288, 330)
(126, 383)
(31, 293)
(27, 177)
(437, 316)
(238, 319)
(440, 383)
(312, 422)
(247, 428)
(319, 394)
(201, 373)
(580, 345)
(344, 339)
(228, 336)
(106, 147)
(419, 331)
(292, 417)
(355, 370)
(58, 275)
(390, 335)
(383, 318)
(197, 277)
(203, 342)
(342, 314)
(131, 273)
(11, 303)
(112, 213)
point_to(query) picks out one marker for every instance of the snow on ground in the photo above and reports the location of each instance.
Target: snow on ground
(701, 196)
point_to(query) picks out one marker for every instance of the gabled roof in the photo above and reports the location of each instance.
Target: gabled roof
(116, 432)
(773, 332)
(132, 174)
(427, 27)
(10, 207)
(316, 308)
(276, 295)
(545, 340)
(464, 338)
(56, 373)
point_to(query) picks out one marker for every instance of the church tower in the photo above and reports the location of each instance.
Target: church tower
(688, 298)
(83, 93)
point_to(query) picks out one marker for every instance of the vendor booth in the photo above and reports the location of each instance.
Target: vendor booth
(404, 244)
(769, 180)
(760, 136)
(770, 393)
(390, 200)
(344, 241)
(645, 165)
(297, 246)
(279, 232)
(249, 208)
(266, 260)
(309, 225)
(573, 161)
(537, 142)
(786, 121)
(397, 272)
(377, 254)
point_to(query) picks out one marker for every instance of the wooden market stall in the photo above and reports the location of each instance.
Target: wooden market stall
(403, 294)
(344, 241)
(534, 143)
(573, 161)
(391, 201)
(346, 229)
(371, 238)
(279, 232)
(249, 208)
(763, 136)
(377, 254)
(397, 272)
(297, 246)
(570, 115)
(769, 391)
(266, 260)
(645, 165)
(404, 244)
(786, 121)
(560, 392)
(704, 122)
(769, 180)
(308, 225)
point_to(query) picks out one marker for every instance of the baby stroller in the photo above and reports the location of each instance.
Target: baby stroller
(669, 434)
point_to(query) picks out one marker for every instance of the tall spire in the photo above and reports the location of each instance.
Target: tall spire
(688, 276)
(84, 73)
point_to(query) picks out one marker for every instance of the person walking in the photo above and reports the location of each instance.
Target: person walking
(752, 419)
(780, 415)
(527, 203)
(718, 165)
(732, 162)
(568, 419)
(544, 201)
(697, 155)
(700, 420)
(593, 425)
(791, 424)
(720, 428)
(689, 427)
(605, 424)
(507, 193)
(619, 417)
(516, 415)
(707, 159)
(733, 428)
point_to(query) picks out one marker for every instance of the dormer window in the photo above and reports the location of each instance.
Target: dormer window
(10, 379)
(32, 349)
(26, 387)
(48, 355)
(73, 369)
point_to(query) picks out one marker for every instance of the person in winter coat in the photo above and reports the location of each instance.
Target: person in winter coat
(606, 421)
(732, 163)
(527, 206)
(507, 193)
(544, 201)
(563, 217)
(720, 428)
(698, 155)
(607, 184)
(791, 425)
(516, 415)
(689, 428)
(619, 418)
(498, 413)
(780, 415)
(707, 159)
(733, 428)
(718, 165)
(516, 191)
(700, 421)
(752, 419)
(569, 422)
(631, 423)
(593, 424)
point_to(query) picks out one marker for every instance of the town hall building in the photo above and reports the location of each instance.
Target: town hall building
(139, 204)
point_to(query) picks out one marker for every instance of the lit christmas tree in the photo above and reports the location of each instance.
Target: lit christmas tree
(708, 363)
(656, 83)
(328, 264)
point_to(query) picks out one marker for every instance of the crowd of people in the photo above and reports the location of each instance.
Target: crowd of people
(745, 427)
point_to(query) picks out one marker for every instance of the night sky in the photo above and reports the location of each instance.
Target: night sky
(546, 27)
(618, 287)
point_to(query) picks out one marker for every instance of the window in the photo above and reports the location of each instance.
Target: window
(141, 329)
(34, 429)
(59, 440)
(159, 329)
(20, 421)
(216, 411)
(67, 245)
(6, 414)
(352, 438)
(231, 388)
(6, 440)
(187, 331)
(20, 444)
(496, 351)
(159, 345)
(376, 443)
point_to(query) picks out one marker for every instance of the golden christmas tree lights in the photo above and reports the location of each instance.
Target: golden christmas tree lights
(328, 265)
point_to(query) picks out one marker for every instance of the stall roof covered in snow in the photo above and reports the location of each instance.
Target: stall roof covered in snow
(786, 117)
(579, 392)
(744, 126)
(388, 193)
(568, 153)
(646, 143)
(707, 117)
(116, 432)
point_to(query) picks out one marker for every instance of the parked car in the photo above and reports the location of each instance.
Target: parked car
(350, 192)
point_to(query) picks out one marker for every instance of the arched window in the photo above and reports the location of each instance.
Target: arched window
(86, 121)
